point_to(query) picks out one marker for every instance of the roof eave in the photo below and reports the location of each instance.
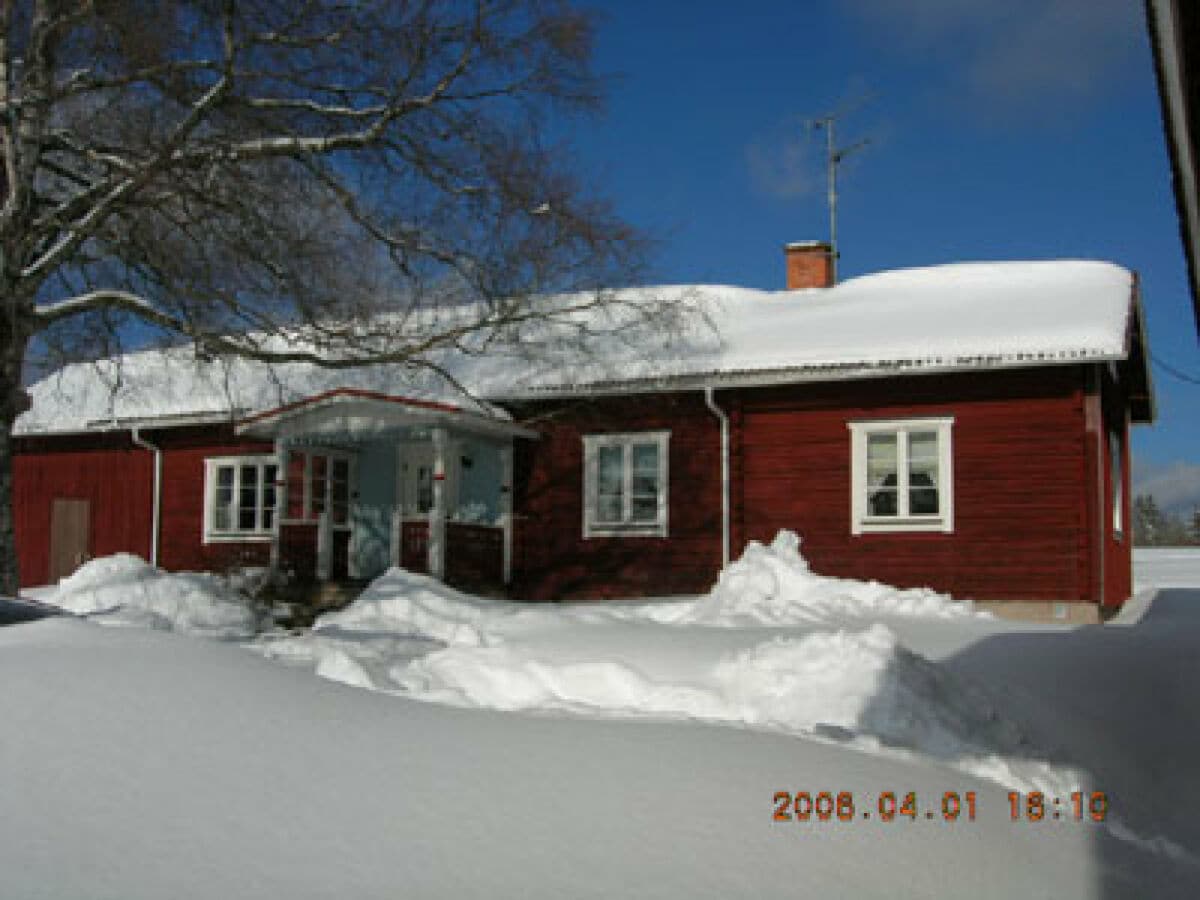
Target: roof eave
(810, 375)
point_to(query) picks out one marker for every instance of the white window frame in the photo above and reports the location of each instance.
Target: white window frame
(626, 527)
(257, 534)
(861, 522)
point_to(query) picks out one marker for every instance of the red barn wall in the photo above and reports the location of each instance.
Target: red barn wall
(551, 560)
(117, 478)
(1021, 531)
(107, 471)
(1022, 527)
(181, 540)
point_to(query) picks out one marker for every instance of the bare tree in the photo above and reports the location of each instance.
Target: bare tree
(339, 182)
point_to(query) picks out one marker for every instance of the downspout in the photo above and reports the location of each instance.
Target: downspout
(724, 420)
(156, 502)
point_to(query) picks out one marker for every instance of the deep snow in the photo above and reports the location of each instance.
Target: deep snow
(604, 750)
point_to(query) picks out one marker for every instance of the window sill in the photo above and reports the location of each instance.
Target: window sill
(902, 526)
(620, 531)
(249, 537)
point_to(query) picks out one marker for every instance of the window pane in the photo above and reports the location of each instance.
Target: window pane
(923, 501)
(223, 501)
(610, 484)
(881, 475)
(424, 489)
(923, 455)
(269, 476)
(608, 509)
(317, 488)
(923, 473)
(645, 470)
(645, 509)
(881, 459)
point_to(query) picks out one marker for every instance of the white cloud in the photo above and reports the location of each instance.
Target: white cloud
(1174, 486)
(786, 162)
(1014, 56)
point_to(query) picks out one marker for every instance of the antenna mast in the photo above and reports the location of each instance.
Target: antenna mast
(833, 158)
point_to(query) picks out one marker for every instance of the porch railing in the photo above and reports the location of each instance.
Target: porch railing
(414, 546)
(298, 548)
(474, 553)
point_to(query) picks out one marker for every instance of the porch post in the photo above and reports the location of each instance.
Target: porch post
(324, 546)
(281, 468)
(397, 536)
(437, 514)
(506, 505)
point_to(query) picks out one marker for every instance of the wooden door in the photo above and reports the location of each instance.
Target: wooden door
(69, 536)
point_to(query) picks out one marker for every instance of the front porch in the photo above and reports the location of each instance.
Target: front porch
(371, 481)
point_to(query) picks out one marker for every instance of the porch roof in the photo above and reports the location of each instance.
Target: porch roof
(360, 413)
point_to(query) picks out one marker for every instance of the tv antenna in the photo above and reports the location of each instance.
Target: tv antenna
(833, 158)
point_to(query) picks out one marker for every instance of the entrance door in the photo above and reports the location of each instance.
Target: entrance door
(416, 480)
(69, 536)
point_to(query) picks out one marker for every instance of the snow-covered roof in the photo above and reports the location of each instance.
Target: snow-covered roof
(943, 318)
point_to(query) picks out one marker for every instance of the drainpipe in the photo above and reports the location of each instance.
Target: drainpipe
(156, 507)
(724, 420)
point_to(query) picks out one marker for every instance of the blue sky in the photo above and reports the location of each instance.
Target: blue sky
(1028, 129)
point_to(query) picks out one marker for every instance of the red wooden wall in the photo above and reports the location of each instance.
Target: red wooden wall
(552, 560)
(117, 478)
(108, 471)
(1024, 483)
(1021, 530)
(181, 541)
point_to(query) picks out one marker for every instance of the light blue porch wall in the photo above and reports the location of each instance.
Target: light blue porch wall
(373, 508)
(479, 485)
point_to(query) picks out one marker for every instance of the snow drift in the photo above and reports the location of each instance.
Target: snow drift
(125, 590)
(773, 585)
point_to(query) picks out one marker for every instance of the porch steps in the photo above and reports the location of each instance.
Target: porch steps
(301, 603)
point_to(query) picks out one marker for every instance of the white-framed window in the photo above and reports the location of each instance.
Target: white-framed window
(902, 475)
(240, 497)
(625, 484)
(320, 480)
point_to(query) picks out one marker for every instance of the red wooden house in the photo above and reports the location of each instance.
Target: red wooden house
(963, 427)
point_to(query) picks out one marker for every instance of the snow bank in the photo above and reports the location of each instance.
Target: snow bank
(124, 590)
(772, 646)
(855, 687)
(768, 586)
(138, 767)
(773, 585)
(1166, 567)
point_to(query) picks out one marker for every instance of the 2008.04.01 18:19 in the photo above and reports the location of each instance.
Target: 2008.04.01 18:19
(1037, 806)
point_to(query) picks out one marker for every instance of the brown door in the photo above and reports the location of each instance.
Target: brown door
(69, 533)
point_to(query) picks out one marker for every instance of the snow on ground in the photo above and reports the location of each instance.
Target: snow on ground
(125, 590)
(605, 750)
(1166, 567)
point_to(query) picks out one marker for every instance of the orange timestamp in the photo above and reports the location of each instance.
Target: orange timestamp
(886, 806)
(1037, 806)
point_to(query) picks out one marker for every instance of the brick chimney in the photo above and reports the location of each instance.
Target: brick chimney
(809, 265)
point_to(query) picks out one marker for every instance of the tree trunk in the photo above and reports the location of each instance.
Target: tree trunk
(13, 402)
